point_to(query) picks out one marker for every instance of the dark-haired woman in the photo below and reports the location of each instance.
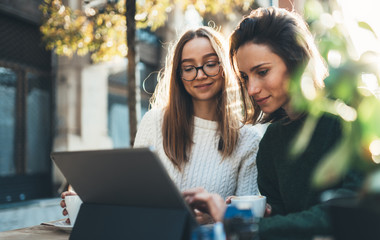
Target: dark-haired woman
(269, 48)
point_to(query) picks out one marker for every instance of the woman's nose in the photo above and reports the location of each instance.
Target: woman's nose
(201, 74)
(253, 87)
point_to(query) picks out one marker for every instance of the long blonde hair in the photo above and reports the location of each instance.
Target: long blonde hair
(171, 96)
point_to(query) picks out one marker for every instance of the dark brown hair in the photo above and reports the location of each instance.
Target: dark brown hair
(288, 36)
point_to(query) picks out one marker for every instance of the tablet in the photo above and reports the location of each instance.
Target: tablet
(131, 177)
(125, 192)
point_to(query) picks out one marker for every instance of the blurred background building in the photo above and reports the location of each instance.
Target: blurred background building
(54, 103)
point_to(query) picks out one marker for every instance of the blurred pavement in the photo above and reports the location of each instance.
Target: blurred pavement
(29, 213)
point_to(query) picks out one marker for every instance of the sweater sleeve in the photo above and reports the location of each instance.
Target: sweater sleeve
(247, 177)
(300, 225)
(146, 132)
(308, 223)
(312, 218)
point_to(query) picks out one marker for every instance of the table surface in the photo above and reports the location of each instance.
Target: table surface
(39, 232)
(48, 232)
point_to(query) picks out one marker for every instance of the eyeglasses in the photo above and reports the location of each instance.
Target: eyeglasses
(210, 68)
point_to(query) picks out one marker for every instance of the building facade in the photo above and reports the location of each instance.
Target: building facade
(26, 104)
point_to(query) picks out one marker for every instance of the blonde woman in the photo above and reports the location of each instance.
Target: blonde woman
(194, 123)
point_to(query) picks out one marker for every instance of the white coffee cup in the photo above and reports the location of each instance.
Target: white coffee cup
(257, 203)
(73, 203)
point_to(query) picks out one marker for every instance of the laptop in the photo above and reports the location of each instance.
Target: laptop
(131, 178)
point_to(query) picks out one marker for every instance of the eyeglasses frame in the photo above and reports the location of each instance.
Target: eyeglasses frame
(200, 67)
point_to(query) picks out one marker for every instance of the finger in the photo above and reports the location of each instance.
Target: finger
(196, 203)
(213, 203)
(188, 198)
(64, 194)
(218, 208)
(67, 193)
(199, 220)
(228, 199)
(203, 218)
(62, 203)
(202, 207)
(197, 212)
(268, 210)
(192, 191)
(64, 212)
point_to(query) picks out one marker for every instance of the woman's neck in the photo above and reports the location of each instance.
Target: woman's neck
(290, 111)
(205, 110)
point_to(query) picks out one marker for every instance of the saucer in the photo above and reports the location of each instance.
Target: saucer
(60, 224)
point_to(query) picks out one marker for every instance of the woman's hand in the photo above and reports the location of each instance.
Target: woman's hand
(228, 199)
(203, 201)
(63, 204)
(268, 210)
(203, 218)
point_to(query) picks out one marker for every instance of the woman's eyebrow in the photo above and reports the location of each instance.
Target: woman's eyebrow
(204, 56)
(210, 55)
(257, 66)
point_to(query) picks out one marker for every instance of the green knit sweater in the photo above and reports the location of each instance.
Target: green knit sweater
(296, 209)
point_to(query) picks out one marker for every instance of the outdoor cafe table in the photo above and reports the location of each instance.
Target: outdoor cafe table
(47, 232)
(38, 232)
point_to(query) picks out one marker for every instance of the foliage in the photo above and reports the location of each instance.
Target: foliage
(69, 32)
(101, 32)
(351, 92)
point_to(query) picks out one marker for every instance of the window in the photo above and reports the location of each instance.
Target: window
(26, 112)
(8, 80)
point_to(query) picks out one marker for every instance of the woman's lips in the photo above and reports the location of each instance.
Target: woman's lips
(203, 86)
(262, 100)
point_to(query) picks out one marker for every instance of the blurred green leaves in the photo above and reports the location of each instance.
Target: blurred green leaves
(351, 92)
(102, 32)
(367, 26)
(68, 32)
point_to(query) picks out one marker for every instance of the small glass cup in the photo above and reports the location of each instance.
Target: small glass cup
(240, 223)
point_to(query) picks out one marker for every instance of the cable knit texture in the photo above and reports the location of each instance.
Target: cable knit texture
(234, 175)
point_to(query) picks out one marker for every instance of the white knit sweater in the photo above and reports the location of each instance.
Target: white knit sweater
(235, 175)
